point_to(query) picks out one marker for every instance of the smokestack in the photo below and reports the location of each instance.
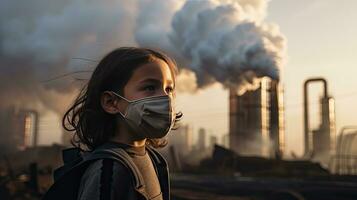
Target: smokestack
(321, 141)
(276, 119)
(256, 120)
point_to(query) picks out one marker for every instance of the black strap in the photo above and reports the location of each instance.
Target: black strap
(106, 179)
(157, 157)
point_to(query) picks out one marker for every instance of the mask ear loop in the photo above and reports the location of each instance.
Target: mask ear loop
(118, 95)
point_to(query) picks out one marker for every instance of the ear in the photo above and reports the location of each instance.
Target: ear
(110, 103)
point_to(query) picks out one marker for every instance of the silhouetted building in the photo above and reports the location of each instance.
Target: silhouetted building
(181, 139)
(18, 130)
(256, 124)
(201, 140)
(212, 141)
(225, 140)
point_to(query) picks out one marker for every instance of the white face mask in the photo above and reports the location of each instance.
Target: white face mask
(150, 117)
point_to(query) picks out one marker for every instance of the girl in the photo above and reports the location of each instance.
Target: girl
(128, 103)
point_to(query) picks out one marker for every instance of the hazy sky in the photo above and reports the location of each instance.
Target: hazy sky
(321, 42)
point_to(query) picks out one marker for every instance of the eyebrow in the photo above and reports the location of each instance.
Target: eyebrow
(155, 81)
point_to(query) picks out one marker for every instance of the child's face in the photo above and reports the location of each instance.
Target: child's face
(151, 79)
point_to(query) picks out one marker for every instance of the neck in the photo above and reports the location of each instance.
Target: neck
(122, 135)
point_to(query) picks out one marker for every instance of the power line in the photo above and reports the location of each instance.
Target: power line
(85, 59)
(65, 75)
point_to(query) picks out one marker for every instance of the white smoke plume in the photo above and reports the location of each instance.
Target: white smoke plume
(228, 41)
(219, 40)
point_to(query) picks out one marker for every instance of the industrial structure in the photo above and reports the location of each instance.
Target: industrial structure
(201, 140)
(182, 139)
(256, 120)
(320, 143)
(19, 129)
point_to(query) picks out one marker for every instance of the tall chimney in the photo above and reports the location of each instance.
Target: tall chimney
(256, 123)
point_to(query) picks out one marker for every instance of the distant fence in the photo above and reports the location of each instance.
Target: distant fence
(344, 164)
(345, 159)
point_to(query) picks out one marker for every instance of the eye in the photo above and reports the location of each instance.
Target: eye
(150, 88)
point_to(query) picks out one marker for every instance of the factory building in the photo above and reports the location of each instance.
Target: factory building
(256, 121)
(19, 129)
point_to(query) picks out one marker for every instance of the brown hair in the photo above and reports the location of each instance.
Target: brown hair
(92, 126)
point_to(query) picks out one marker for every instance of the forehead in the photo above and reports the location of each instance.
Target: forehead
(157, 69)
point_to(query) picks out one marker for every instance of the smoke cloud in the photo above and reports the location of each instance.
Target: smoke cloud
(38, 40)
(228, 41)
(219, 40)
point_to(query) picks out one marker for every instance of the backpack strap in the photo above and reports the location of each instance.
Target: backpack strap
(156, 156)
(120, 155)
(161, 170)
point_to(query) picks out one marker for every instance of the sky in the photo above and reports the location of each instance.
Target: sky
(320, 42)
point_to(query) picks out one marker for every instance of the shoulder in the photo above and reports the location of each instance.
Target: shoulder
(102, 176)
(105, 167)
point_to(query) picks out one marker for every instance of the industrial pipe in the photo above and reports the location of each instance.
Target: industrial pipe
(308, 136)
